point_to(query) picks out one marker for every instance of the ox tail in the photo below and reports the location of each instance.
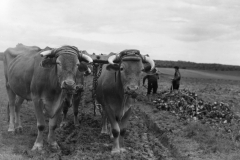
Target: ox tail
(1, 56)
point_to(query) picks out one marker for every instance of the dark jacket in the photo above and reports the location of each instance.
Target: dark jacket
(177, 77)
(151, 78)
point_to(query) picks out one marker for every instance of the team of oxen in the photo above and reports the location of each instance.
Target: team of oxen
(53, 79)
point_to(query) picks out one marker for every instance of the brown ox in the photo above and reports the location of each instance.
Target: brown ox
(77, 97)
(45, 77)
(1, 56)
(116, 90)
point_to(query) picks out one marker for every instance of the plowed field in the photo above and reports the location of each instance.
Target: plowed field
(151, 134)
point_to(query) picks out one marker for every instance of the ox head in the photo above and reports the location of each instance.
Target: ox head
(84, 70)
(66, 60)
(129, 64)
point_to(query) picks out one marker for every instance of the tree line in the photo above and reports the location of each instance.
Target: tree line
(198, 66)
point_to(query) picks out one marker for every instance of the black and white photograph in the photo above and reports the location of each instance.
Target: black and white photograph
(120, 80)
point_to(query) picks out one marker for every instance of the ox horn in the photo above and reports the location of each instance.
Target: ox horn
(89, 70)
(147, 59)
(87, 58)
(46, 53)
(111, 59)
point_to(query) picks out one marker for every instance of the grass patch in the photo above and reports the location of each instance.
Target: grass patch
(205, 74)
(210, 139)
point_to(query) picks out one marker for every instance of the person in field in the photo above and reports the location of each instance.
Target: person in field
(176, 79)
(152, 78)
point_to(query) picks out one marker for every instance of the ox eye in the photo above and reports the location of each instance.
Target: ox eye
(58, 63)
(121, 68)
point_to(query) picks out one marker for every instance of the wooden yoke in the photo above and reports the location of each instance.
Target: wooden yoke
(101, 59)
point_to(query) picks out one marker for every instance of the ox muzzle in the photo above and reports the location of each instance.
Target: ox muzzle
(69, 86)
(79, 88)
(132, 91)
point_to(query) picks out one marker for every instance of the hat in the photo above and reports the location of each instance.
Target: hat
(176, 67)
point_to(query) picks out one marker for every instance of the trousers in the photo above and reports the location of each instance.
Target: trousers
(153, 85)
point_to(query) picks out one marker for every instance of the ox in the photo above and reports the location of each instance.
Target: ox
(1, 56)
(44, 76)
(116, 91)
(77, 97)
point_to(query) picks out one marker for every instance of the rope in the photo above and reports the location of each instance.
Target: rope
(66, 49)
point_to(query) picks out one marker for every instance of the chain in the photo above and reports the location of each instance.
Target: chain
(96, 75)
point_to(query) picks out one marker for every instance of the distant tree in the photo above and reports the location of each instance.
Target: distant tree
(199, 66)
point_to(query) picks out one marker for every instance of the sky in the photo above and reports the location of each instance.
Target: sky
(202, 31)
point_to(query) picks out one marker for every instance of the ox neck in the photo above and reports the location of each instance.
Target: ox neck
(53, 77)
(118, 81)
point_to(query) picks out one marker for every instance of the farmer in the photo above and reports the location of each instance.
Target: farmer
(176, 79)
(152, 78)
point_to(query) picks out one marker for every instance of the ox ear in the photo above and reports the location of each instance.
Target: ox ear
(147, 68)
(82, 67)
(48, 62)
(113, 67)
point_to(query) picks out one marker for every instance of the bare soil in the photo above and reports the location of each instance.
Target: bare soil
(151, 134)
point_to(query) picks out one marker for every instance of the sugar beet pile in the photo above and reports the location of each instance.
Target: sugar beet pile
(187, 105)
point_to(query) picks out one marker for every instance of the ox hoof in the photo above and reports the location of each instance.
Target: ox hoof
(54, 146)
(116, 151)
(37, 147)
(11, 128)
(19, 129)
(77, 124)
(111, 136)
(63, 124)
(123, 150)
(104, 132)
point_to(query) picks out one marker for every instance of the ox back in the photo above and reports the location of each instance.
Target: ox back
(19, 67)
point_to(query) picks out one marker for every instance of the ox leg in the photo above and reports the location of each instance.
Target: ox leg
(8, 113)
(115, 132)
(123, 126)
(38, 105)
(65, 106)
(83, 98)
(76, 101)
(12, 98)
(18, 123)
(51, 135)
(110, 130)
(104, 124)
